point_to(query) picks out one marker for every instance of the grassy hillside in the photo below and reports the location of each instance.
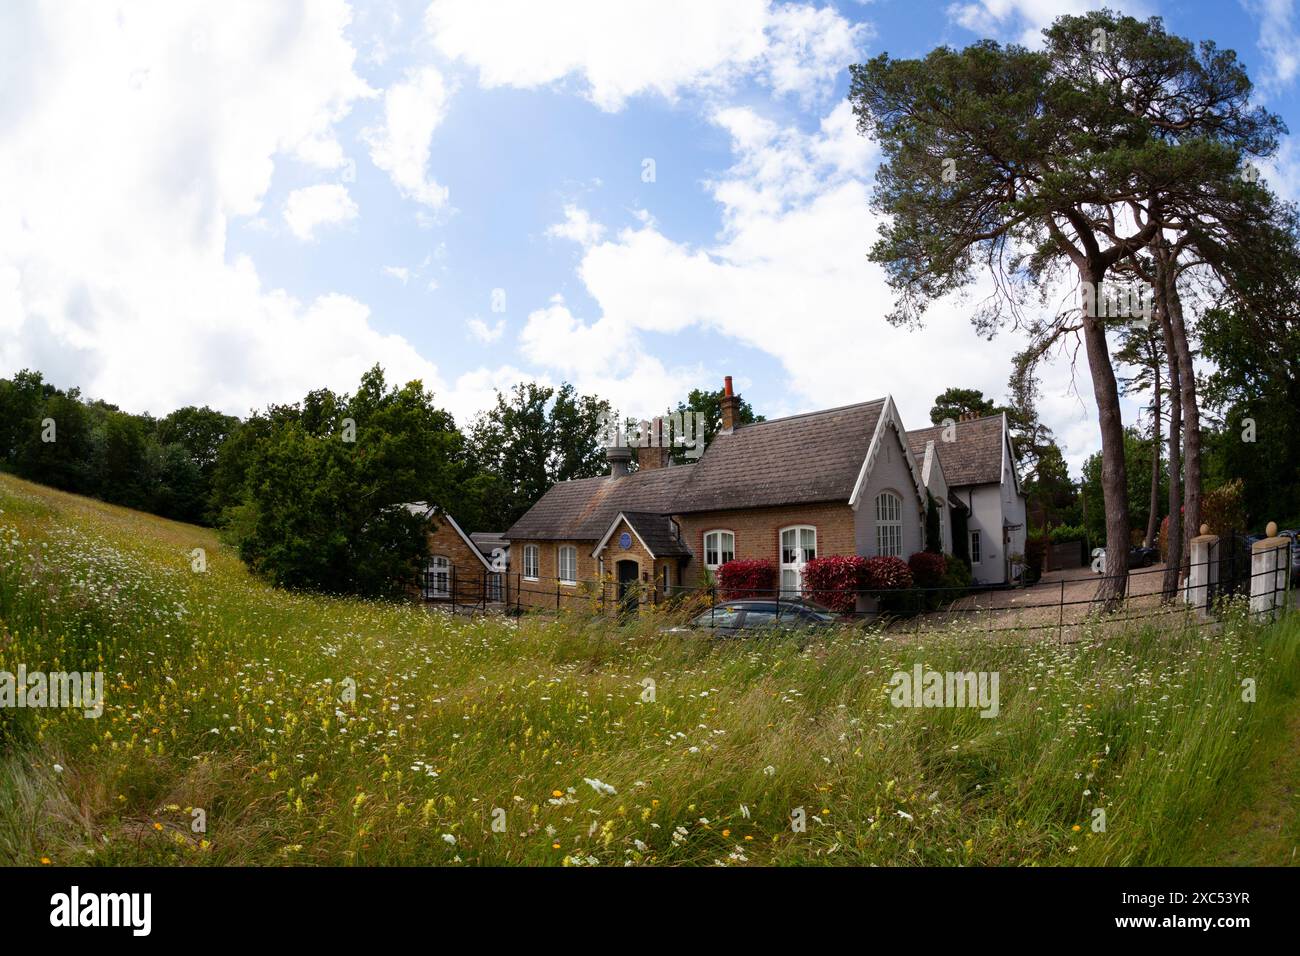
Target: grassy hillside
(225, 695)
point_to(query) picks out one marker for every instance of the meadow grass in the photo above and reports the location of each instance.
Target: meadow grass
(227, 696)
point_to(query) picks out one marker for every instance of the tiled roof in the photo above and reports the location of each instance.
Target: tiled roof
(583, 509)
(973, 457)
(658, 533)
(797, 460)
(786, 461)
(487, 541)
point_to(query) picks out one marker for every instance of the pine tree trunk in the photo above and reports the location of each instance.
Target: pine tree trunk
(1175, 541)
(1114, 475)
(1191, 411)
(1153, 516)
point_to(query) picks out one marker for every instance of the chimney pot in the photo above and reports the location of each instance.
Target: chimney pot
(726, 386)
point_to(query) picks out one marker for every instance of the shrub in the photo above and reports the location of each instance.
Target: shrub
(834, 580)
(888, 574)
(957, 576)
(745, 579)
(1223, 509)
(927, 568)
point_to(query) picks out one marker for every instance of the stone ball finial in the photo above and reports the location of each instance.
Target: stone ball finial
(1271, 530)
(1205, 529)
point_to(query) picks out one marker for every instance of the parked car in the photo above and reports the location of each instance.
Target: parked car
(1139, 557)
(759, 613)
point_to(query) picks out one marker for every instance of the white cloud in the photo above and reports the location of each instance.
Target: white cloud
(413, 109)
(1024, 20)
(482, 332)
(577, 227)
(307, 209)
(788, 276)
(623, 49)
(400, 273)
(1278, 39)
(138, 134)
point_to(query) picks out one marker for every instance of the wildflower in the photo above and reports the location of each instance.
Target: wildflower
(449, 838)
(769, 770)
(58, 768)
(600, 787)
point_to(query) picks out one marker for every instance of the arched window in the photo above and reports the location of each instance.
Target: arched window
(530, 562)
(719, 548)
(437, 577)
(889, 524)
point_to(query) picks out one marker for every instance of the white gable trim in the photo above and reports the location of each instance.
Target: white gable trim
(438, 514)
(1009, 449)
(600, 546)
(888, 417)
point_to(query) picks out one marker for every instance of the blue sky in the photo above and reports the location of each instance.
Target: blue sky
(230, 204)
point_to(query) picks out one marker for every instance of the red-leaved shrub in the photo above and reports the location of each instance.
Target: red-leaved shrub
(746, 579)
(928, 569)
(888, 574)
(834, 581)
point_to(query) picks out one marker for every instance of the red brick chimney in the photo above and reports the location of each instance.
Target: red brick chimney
(657, 453)
(730, 407)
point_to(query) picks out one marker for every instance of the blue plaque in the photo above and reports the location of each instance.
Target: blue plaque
(625, 541)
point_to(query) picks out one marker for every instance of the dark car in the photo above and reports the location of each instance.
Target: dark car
(758, 613)
(1140, 557)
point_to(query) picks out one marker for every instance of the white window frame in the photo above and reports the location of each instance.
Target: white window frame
(889, 524)
(801, 556)
(719, 549)
(433, 571)
(559, 564)
(943, 526)
(976, 553)
(533, 551)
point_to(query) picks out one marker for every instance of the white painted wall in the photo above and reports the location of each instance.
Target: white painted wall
(890, 473)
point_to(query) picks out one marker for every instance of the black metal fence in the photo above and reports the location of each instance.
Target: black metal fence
(1045, 606)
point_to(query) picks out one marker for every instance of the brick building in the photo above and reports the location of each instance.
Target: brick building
(840, 481)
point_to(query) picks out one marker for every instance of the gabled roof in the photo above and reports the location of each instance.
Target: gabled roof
(657, 533)
(582, 509)
(787, 461)
(973, 457)
(802, 459)
(434, 513)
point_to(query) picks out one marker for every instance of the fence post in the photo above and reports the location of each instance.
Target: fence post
(1269, 558)
(453, 589)
(1202, 572)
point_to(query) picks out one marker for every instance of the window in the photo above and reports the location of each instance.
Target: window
(798, 547)
(567, 565)
(437, 579)
(494, 586)
(719, 548)
(943, 524)
(530, 561)
(724, 616)
(975, 547)
(889, 524)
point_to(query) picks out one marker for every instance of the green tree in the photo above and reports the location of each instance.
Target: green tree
(527, 442)
(708, 404)
(956, 403)
(325, 483)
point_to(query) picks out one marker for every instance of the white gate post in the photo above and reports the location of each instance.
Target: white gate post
(1270, 563)
(1204, 570)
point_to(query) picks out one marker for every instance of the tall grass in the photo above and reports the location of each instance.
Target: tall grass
(227, 696)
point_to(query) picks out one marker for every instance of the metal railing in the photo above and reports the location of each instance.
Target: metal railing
(1043, 606)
